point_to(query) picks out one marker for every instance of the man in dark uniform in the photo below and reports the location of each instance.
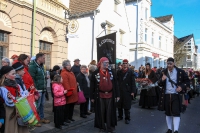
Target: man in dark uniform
(174, 82)
(104, 93)
(127, 87)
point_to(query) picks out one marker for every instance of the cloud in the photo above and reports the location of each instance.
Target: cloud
(177, 3)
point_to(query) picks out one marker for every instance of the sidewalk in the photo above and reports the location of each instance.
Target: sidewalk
(50, 128)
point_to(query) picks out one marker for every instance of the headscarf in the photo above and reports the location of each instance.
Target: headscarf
(102, 60)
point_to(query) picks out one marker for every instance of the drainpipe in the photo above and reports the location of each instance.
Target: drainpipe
(33, 28)
(93, 20)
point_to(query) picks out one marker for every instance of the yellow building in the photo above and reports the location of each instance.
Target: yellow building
(50, 29)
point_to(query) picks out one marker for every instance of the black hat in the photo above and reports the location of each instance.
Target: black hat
(170, 59)
(55, 68)
(18, 66)
(5, 69)
(148, 64)
(76, 60)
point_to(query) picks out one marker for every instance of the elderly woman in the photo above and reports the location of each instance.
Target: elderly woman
(5, 62)
(84, 84)
(70, 84)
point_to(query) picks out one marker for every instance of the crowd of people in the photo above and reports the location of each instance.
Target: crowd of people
(105, 91)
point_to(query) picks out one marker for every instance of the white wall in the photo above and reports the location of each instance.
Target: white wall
(81, 47)
(151, 25)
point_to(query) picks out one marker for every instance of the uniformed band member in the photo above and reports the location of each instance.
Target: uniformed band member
(174, 82)
(103, 93)
(127, 87)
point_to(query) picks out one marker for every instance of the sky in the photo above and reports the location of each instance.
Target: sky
(186, 15)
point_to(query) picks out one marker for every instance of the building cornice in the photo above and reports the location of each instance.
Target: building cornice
(29, 6)
(160, 25)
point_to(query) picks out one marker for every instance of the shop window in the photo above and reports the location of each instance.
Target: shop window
(45, 47)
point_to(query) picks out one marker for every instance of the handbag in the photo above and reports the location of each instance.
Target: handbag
(81, 97)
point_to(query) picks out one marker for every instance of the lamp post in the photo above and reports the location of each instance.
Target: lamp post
(136, 48)
(33, 28)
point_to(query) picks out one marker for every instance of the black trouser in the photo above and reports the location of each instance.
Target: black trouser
(106, 113)
(69, 111)
(126, 111)
(172, 105)
(84, 107)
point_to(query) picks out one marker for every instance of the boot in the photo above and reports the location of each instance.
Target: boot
(169, 131)
(176, 132)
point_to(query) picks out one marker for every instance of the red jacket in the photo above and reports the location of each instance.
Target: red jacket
(59, 96)
(69, 82)
(28, 81)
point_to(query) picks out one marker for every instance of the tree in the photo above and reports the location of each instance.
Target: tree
(180, 53)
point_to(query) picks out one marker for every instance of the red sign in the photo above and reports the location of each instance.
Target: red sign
(155, 55)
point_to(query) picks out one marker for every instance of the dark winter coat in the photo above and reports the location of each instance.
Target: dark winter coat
(127, 86)
(94, 94)
(76, 70)
(2, 113)
(38, 74)
(19, 81)
(182, 81)
(81, 79)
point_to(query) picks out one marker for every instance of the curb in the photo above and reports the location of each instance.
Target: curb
(78, 123)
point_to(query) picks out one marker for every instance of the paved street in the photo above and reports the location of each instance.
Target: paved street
(149, 121)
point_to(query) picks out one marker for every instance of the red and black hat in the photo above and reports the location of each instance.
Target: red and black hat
(125, 61)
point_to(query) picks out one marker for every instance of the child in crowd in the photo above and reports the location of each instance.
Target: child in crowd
(19, 68)
(59, 102)
(8, 81)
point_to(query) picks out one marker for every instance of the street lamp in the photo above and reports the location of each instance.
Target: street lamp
(136, 52)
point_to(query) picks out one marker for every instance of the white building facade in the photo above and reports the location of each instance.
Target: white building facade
(155, 36)
(86, 18)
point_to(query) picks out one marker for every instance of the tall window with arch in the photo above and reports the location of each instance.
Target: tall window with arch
(160, 39)
(146, 13)
(4, 43)
(45, 47)
(152, 38)
(145, 37)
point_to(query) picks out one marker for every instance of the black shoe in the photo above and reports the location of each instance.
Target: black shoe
(102, 130)
(68, 121)
(60, 127)
(143, 107)
(119, 119)
(111, 131)
(169, 131)
(83, 116)
(65, 124)
(176, 132)
(71, 119)
(88, 113)
(127, 121)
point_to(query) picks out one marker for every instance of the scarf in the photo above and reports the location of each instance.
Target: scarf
(10, 83)
(88, 81)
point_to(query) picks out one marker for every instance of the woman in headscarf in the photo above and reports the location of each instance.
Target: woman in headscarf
(148, 98)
